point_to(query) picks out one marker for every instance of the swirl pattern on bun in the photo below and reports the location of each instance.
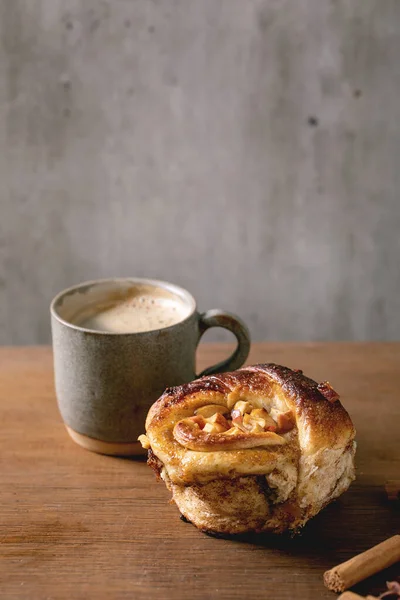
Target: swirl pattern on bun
(263, 448)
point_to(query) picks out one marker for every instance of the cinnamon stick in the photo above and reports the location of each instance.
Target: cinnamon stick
(347, 574)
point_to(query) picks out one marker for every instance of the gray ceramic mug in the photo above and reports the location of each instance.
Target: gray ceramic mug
(106, 381)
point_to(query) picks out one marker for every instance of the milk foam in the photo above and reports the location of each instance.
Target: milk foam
(132, 314)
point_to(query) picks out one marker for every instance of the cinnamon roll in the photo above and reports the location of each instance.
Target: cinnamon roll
(260, 449)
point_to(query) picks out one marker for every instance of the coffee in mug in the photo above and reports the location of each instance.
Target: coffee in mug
(142, 308)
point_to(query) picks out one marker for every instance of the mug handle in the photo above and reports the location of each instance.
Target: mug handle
(222, 318)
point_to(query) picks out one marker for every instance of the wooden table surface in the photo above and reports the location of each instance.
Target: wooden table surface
(79, 525)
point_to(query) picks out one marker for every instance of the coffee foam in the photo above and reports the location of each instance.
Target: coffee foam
(135, 312)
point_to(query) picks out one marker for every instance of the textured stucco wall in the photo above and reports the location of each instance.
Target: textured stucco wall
(248, 150)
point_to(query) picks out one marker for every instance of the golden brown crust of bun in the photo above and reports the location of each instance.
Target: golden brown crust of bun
(305, 467)
(327, 422)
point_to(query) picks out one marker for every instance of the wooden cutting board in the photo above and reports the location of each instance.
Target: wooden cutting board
(79, 525)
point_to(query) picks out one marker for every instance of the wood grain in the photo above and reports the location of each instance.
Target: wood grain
(80, 525)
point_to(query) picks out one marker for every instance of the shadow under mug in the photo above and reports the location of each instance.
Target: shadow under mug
(106, 382)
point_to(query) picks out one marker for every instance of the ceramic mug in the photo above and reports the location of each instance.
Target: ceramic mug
(106, 381)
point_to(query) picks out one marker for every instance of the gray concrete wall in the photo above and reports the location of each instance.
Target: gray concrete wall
(246, 149)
